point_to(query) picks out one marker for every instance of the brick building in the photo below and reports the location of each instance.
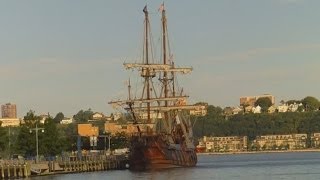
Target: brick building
(9, 111)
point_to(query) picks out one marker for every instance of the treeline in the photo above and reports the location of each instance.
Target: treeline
(215, 123)
(53, 138)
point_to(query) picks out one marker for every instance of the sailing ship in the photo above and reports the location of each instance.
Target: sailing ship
(163, 136)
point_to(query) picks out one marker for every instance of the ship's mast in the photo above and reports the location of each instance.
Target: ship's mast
(147, 77)
(164, 41)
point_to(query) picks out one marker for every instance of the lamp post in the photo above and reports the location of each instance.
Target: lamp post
(37, 139)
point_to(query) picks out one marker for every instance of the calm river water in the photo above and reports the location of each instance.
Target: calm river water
(265, 166)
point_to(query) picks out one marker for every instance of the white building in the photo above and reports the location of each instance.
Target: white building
(283, 108)
(97, 116)
(256, 109)
(66, 121)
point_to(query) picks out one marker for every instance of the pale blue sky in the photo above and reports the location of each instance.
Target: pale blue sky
(67, 55)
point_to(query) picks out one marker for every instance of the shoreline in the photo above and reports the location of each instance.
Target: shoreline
(259, 152)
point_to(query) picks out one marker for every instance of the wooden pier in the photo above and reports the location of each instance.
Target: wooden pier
(93, 164)
(15, 170)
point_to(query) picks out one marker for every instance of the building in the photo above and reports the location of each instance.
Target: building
(256, 109)
(9, 110)
(66, 120)
(43, 118)
(251, 100)
(280, 142)
(272, 109)
(283, 108)
(13, 122)
(88, 130)
(294, 107)
(225, 144)
(201, 111)
(98, 116)
(115, 128)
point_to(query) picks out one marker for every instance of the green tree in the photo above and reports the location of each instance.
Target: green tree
(264, 103)
(30, 119)
(58, 117)
(26, 141)
(3, 140)
(293, 101)
(311, 103)
(119, 140)
(83, 116)
(51, 143)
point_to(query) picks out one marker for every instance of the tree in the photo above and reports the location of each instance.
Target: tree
(311, 103)
(51, 142)
(3, 140)
(293, 101)
(119, 140)
(30, 118)
(26, 142)
(58, 117)
(264, 103)
(83, 116)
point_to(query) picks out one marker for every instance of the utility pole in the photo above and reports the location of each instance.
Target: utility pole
(37, 139)
(9, 142)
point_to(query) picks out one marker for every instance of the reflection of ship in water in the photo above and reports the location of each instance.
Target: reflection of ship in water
(164, 136)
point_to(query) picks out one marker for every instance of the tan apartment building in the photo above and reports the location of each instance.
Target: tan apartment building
(225, 144)
(251, 100)
(281, 142)
(9, 111)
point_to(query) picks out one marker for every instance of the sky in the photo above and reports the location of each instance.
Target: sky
(64, 56)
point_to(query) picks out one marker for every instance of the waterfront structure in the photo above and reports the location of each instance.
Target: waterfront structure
(9, 111)
(224, 144)
(280, 142)
(250, 100)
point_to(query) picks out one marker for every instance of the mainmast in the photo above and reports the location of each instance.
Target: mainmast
(164, 42)
(147, 77)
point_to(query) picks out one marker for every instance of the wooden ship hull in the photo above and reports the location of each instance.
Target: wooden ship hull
(153, 152)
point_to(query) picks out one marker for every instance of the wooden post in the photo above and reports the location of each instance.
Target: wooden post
(14, 171)
(2, 171)
(25, 170)
(8, 175)
(20, 170)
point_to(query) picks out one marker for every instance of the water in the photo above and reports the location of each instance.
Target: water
(265, 166)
